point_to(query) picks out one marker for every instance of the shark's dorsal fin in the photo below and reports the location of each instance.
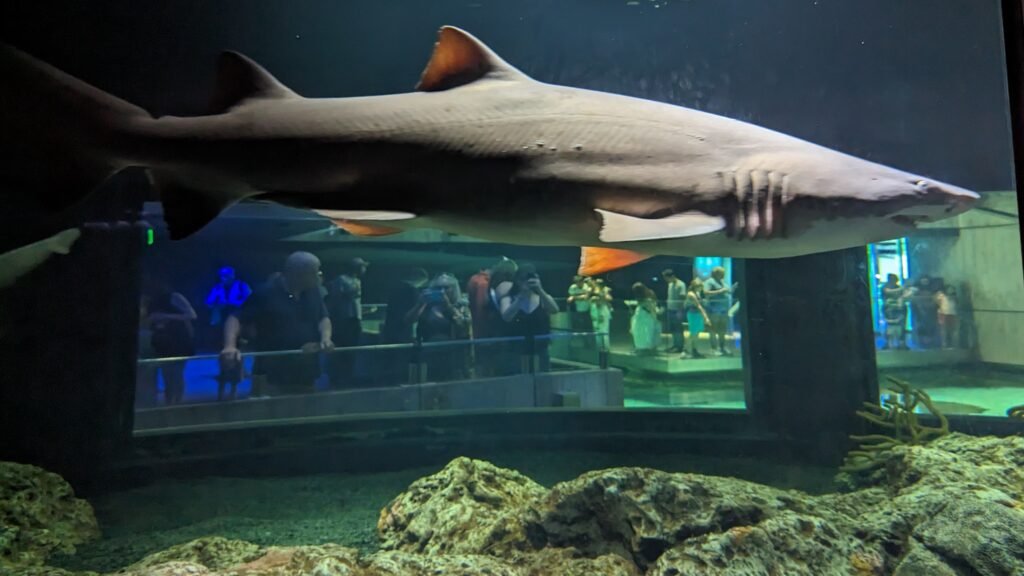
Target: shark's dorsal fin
(461, 59)
(240, 79)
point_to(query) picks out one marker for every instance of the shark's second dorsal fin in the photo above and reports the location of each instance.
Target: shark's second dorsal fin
(461, 59)
(240, 79)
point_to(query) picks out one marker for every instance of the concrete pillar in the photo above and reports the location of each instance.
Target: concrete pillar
(809, 348)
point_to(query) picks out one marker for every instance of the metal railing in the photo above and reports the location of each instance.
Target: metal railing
(529, 350)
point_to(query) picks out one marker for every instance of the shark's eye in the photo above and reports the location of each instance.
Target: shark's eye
(922, 184)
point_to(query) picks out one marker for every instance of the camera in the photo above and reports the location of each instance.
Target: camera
(433, 295)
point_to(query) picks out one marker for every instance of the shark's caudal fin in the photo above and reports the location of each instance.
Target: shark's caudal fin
(60, 134)
(189, 206)
(460, 59)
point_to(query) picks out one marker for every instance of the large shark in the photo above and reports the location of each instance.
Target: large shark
(20, 261)
(480, 149)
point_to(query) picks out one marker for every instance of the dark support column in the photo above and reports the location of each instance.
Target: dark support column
(809, 348)
(69, 346)
(1013, 37)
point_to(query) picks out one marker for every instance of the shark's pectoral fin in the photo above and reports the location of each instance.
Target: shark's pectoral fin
(594, 261)
(240, 79)
(367, 215)
(62, 242)
(355, 221)
(461, 59)
(360, 229)
(622, 228)
(21, 261)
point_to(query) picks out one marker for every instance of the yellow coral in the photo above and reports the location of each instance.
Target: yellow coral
(390, 517)
(866, 563)
(899, 418)
(739, 534)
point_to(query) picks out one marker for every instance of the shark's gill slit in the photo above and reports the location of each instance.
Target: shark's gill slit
(747, 205)
(759, 188)
(774, 183)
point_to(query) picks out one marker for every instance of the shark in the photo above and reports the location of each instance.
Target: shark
(20, 261)
(479, 148)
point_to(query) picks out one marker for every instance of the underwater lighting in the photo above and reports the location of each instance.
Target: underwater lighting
(149, 237)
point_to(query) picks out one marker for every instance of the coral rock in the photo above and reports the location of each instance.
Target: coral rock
(39, 515)
(788, 543)
(221, 557)
(985, 535)
(640, 513)
(469, 507)
(213, 553)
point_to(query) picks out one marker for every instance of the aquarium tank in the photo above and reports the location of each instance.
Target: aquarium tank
(524, 288)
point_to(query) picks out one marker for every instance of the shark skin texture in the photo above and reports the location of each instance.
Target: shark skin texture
(479, 149)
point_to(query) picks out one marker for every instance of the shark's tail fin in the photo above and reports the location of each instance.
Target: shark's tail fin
(60, 134)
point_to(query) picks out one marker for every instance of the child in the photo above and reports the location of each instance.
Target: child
(945, 298)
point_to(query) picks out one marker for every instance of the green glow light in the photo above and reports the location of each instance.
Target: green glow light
(149, 237)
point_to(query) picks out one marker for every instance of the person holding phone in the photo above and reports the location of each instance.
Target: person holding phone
(527, 308)
(446, 317)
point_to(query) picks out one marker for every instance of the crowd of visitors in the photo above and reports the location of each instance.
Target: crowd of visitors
(298, 309)
(933, 306)
(690, 311)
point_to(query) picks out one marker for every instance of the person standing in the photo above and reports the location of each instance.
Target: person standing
(495, 358)
(446, 318)
(344, 303)
(579, 304)
(226, 297)
(527, 308)
(716, 303)
(696, 316)
(643, 324)
(925, 312)
(675, 295)
(601, 313)
(405, 304)
(894, 310)
(949, 327)
(286, 313)
(169, 316)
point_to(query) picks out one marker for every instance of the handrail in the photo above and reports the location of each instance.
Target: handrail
(372, 348)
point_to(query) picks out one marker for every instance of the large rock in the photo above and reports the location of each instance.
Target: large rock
(640, 513)
(212, 553)
(903, 522)
(469, 507)
(951, 508)
(787, 544)
(216, 556)
(39, 515)
(919, 560)
(220, 557)
(986, 536)
(917, 485)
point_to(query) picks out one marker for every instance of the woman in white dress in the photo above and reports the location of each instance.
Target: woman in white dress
(644, 325)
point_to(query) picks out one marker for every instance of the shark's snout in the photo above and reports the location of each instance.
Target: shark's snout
(931, 201)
